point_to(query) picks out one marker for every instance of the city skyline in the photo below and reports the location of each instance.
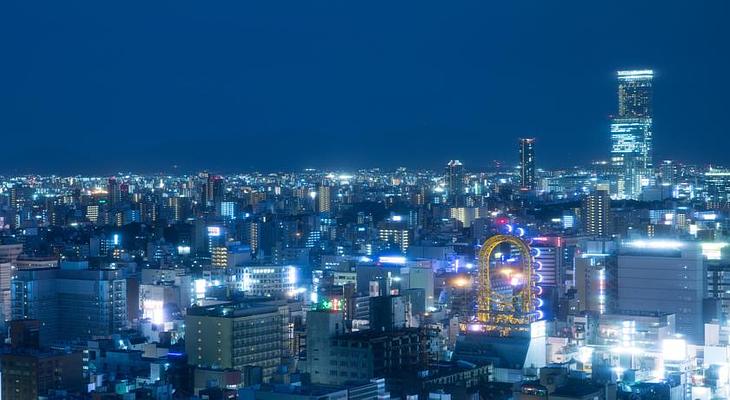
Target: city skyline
(358, 201)
(481, 73)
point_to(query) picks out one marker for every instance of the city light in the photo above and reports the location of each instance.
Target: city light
(392, 259)
(200, 286)
(460, 282)
(674, 349)
(713, 250)
(656, 244)
(241, 209)
(153, 310)
(635, 74)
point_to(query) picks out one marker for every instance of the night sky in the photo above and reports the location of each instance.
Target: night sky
(101, 86)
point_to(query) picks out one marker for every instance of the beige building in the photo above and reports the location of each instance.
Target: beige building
(236, 335)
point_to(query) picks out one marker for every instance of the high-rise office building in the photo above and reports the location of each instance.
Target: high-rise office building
(251, 235)
(9, 252)
(114, 191)
(717, 187)
(174, 208)
(71, 304)
(265, 279)
(236, 335)
(213, 191)
(322, 325)
(396, 235)
(635, 94)
(455, 182)
(549, 255)
(6, 274)
(596, 210)
(666, 276)
(218, 188)
(92, 213)
(668, 172)
(228, 209)
(527, 164)
(595, 275)
(324, 198)
(631, 132)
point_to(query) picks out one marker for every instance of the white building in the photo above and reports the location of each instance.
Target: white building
(664, 276)
(266, 280)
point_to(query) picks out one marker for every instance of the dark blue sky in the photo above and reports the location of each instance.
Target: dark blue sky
(103, 86)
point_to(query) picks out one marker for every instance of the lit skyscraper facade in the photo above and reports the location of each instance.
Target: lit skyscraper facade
(717, 187)
(635, 94)
(114, 191)
(324, 198)
(213, 192)
(631, 132)
(455, 182)
(595, 213)
(527, 164)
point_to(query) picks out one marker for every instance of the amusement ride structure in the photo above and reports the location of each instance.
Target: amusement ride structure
(508, 287)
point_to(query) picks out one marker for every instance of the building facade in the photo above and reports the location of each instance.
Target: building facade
(237, 335)
(632, 133)
(527, 164)
(595, 210)
(71, 304)
(664, 276)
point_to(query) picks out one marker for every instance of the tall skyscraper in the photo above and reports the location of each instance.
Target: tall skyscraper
(214, 192)
(114, 191)
(324, 198)
(631, 132)
(635, 94)
(596, 211)
(455, 182)
(9, 252)
(527, 164)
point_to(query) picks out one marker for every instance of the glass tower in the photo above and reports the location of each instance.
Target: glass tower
(631, 132)
(634, 93)
(527, 164)
(455, 182)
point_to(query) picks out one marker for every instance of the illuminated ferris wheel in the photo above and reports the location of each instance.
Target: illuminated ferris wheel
(509, 286)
